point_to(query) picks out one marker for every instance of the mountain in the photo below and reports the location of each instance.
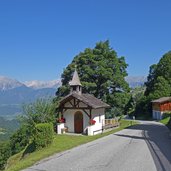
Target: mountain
(8, 83)
(43, 84)
(136, 81)
(13, 94)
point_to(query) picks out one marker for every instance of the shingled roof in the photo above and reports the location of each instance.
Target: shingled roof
(87, 99)
(162, 100)
(75, 79)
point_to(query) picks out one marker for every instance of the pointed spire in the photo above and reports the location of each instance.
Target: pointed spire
(75, 79)
(75, 84)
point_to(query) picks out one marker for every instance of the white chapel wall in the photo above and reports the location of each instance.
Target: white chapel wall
(97, 114)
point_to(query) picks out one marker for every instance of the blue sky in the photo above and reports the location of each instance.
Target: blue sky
(39, 38)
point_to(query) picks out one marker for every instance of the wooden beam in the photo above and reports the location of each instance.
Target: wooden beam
(71, 103)
(74, 102)
(77, 104)
(65, 110)
(86, 113)
(62, 113)
(90, 113)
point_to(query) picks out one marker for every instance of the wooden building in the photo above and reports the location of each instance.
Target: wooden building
(160, 106)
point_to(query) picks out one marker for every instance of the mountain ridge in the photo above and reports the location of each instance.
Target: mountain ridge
(136, 81)
(35, 84)
(13, 94)
(7, 83)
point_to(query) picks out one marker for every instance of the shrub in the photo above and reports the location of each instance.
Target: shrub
(40, 111)
(166, 115)
(19, 140)
(43, 135)
(5, 153)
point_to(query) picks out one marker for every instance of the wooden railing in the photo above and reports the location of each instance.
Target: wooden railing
(109, 123)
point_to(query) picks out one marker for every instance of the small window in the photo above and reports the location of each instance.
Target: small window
(74, 88)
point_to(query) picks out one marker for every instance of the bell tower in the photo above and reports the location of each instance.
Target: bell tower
(75, 84)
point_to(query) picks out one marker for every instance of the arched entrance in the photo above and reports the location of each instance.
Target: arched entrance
(78, 122)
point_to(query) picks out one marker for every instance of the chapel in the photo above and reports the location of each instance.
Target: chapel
(83, 113)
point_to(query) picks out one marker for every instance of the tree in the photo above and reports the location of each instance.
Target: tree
(161, 88)
(41, 111)
(20, 139)
(159, 78)
(150, 79)
(5, 153)
(164, 67)
(101, 73)
(159, 81)
(137, 95)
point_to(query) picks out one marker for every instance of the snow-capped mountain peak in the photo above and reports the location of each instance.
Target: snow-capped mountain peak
(8, 83)
(35, 84)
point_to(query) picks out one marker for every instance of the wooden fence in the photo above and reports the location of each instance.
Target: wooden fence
(110, 123)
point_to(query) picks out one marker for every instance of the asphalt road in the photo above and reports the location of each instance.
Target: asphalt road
(145, 147)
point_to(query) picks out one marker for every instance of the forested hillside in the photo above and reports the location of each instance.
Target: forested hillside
(7, 128)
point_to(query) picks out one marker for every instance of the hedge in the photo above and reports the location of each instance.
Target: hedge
(43, 135)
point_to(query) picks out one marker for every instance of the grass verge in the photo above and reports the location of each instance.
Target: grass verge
(60, 143)
(166, 120)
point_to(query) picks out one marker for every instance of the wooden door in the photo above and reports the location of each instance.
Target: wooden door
(78, 122)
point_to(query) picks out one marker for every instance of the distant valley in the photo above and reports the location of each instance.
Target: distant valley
(13, 94)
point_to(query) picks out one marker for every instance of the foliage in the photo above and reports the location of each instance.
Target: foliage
(101, 73)
(58, 145)
(159, 79)
(5, 153)
(137, 95)
(150, 79)
(19, 139)
(41, 111)
(161, 88)
(43, 135)
(130, 107)
(33, 125)
(158, 83)
(166, 119)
